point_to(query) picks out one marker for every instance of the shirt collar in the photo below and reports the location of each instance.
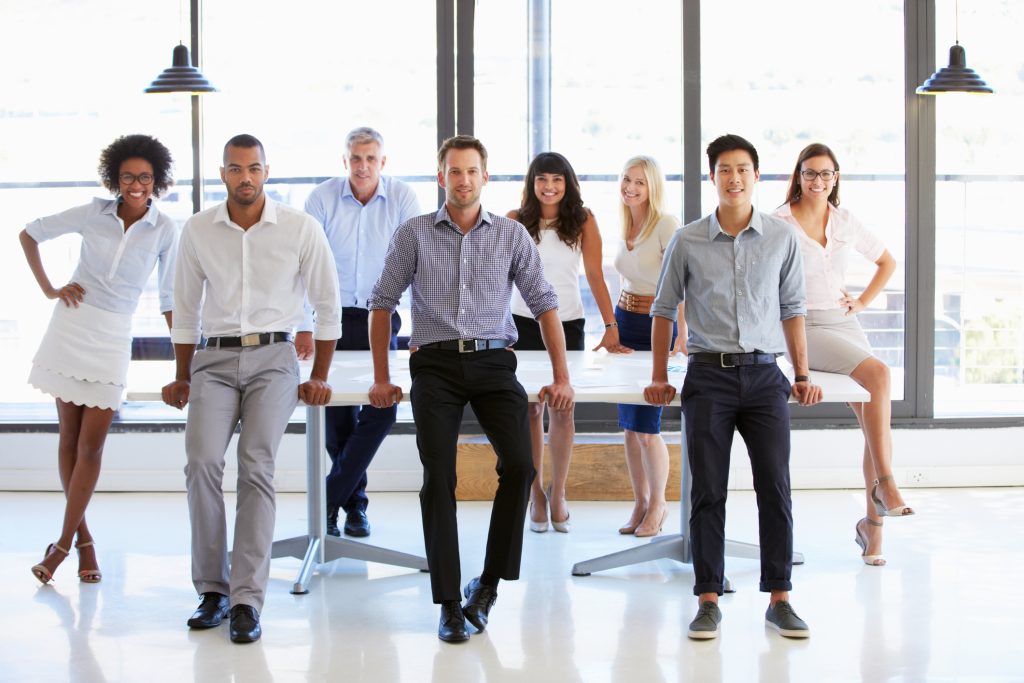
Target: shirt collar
(149, 217)
(715, 228)
(381, 191)
(441, 218)
(269, 213)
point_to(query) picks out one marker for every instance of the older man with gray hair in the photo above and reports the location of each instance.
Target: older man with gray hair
(359, 213)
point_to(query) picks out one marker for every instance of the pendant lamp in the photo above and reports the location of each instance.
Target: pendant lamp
(957, 77)
(181, 76)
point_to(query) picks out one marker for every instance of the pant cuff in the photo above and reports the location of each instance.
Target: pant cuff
(709, 587)
(776, 585)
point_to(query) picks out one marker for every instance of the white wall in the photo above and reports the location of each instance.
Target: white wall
(821, 459)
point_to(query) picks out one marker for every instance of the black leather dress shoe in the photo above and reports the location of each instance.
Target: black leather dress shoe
(479, 601)
(356, 524)
(245, 624)
(452, 628)
(332, 522)
(211, 611)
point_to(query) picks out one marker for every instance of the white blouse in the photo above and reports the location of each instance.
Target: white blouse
(641, 266)
(562, 269)
(825, 267)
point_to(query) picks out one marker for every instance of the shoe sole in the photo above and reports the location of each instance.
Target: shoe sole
(788, 632)
(702, 635)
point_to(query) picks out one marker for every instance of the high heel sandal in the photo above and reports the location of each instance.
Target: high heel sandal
(538, 527)
(643, 533)
(898, 511)
(563, 526)
(862, 540)
(87, 575)
(40, 571)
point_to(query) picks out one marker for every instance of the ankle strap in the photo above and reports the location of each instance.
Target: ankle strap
(84, 545)
(881, 479)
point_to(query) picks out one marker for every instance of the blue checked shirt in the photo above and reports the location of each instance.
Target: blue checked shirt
(462, 284)
(737, 290)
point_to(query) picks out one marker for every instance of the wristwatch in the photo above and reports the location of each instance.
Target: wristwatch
(801, 378)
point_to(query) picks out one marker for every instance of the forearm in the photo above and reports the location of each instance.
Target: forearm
(323, 353)
(886, 267)
(554, 341)
(661, 339)
(380, 344)
(35, 262)
(796, 342)
(183, 361)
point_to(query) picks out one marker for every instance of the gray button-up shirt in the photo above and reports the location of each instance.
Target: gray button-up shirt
(737, 290)
(462, 283)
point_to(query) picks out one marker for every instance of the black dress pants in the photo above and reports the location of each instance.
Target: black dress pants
(443, 382)
(754, 400)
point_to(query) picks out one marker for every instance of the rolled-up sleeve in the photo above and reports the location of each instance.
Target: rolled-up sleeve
(671, 281)
(528, 274)
(316, 267)
(399, 270)
(792, 289)
(71, 220)
(189, 282)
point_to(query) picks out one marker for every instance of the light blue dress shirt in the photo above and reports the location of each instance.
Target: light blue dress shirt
(359, 234)
(737, 290)
(114, 265)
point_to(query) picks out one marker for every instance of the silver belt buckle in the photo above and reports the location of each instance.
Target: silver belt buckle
(467, 345)
(251, 339)
(721, 360)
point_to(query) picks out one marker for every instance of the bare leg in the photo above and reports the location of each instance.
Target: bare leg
(538, 502)
(561, 432)
(79, 456)
(875, 422)
(637, 479)
(654, 455)
(872, 533)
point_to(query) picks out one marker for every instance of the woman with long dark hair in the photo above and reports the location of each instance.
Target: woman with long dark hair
(835, 340)
(565, 230)
(83, 358)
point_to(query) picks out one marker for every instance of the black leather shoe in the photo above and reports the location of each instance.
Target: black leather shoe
(211, 611)
(452, 628)
(479, 601)
(332, 522)
(356, 523)
(245, 624)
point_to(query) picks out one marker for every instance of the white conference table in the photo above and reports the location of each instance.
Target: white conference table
(596, 377)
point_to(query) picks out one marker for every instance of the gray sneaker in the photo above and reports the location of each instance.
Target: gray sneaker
(705, 625)
(783, 619)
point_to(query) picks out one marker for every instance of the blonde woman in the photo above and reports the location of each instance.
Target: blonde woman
(646, 231)
(835, 340)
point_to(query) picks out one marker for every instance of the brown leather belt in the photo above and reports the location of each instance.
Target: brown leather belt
(636, 303)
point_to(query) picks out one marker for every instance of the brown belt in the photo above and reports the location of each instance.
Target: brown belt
(636, 303)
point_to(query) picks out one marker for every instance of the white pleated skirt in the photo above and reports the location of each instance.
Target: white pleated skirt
(83, 358)
(835, 341)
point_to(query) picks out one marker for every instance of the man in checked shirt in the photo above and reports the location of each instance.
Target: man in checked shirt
(461, 263)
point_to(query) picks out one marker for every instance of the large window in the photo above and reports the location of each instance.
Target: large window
(979, 273)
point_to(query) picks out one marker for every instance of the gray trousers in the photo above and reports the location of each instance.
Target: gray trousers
(257, 386)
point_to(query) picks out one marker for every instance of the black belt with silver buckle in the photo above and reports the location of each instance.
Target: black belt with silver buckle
(256, 339)
(467, 345)
(732, 360)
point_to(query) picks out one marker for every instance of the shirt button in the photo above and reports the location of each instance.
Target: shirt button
(739, 293)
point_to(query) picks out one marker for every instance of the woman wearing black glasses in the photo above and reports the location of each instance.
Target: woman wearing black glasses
(83, 358)
(835, 340)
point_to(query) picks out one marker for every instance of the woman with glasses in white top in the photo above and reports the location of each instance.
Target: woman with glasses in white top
(565, 232)
(83, 358)
(646, 231)
(835, 340)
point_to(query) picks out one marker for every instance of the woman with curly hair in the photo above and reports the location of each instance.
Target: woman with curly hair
(83, 358)
(552, 211)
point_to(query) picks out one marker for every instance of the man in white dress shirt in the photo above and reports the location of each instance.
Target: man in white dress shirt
(244, 267)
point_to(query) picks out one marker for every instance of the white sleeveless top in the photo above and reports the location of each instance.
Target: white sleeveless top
(641, 266)
(562, 269)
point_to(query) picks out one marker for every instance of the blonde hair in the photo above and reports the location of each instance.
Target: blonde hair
(655, 196)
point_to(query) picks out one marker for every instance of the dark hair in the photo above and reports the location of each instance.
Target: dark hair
(245, 141)
(815, 149)
(461, 142)
(730, 143)
(136, 147)
(571, 212)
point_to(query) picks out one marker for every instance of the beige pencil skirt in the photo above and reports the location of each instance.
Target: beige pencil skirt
(835, 341)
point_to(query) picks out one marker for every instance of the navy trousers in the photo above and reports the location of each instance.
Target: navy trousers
(753, 400)
(443, 382)
(354, 433)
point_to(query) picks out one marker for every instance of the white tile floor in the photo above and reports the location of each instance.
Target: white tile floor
(948, 607)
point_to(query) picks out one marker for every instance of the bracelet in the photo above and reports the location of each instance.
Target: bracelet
(608, 326)
(801, 378)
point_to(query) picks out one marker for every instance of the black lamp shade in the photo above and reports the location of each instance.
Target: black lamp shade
(957, 77)
(181, 76)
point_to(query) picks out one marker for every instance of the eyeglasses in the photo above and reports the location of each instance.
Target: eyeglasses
(129, 178)
(810, 175)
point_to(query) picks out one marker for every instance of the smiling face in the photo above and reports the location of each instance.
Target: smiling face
(364, 162)
(244, 173)
(734, 178)
(817, 189)
(463, 178)
(633, 188)
(549, 188)
(136, 194)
